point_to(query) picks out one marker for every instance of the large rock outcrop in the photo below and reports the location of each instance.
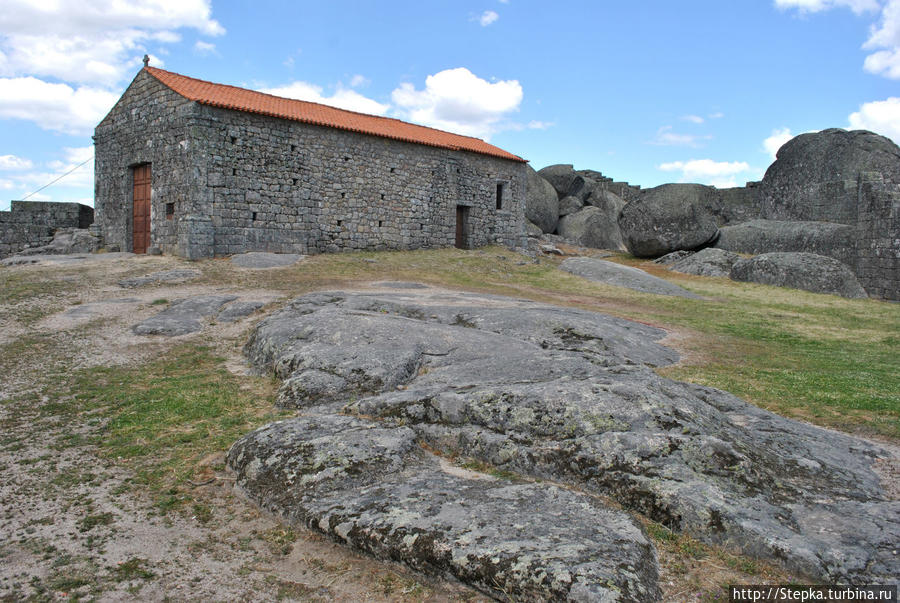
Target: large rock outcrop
(551, 393)
(707, 262)
(373, 487)
(669, 218)
(618, 275)
(591, 227)
(541, 202)
(764, 236)
(67, 241)
(816, 176)
(807, 271)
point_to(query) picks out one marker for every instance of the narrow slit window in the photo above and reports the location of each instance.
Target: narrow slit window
(499, 195)
(254, 216)
(340, 222)
(234, 171)
(380, 222)
(170, 211)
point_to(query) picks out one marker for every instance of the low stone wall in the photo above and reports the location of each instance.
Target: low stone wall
(32, 223)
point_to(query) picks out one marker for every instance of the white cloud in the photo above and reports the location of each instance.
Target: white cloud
(776, 140)
(814, 6)
(61, 17)
(56, 107)
(881, 117)
(884, 38)
(884, 62)
(694, 119)
(487, 17)
(343, 98)
(11, 162)
(706, 171)
(667, 138)
(204, 48)
(717, 115)
(92, 42)
(540, 125)
(459, 101)
(358, 81)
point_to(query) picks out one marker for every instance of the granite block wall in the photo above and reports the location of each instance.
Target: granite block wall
(149, 124)
(878, 236)
(32, 223)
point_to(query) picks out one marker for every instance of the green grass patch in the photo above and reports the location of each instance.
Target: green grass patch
(164, 417)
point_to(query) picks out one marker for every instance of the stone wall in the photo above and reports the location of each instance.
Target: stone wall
(878, 236)
(32, 223)
(269, 184)
(149, 124)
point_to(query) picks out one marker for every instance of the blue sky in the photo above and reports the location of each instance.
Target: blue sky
(648, 91)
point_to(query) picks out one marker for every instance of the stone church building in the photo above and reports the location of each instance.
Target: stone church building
(198, 169)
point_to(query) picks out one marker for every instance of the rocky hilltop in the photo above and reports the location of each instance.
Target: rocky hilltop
(389, 385)
(833, 193)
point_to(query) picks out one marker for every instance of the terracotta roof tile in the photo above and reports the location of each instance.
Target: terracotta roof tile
(241, 99)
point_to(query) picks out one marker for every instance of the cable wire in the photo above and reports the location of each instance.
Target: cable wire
(25, 198)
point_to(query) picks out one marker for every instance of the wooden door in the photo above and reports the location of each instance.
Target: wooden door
(141, 206)
(462, 227)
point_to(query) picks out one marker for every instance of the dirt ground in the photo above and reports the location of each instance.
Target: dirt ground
(71, 527)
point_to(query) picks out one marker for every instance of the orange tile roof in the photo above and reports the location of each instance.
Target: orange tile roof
(241, 99)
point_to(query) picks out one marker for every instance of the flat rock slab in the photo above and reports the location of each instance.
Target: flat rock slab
(183, 316)
(237, 310)
(166, 276)
(400, 285)
(374, 488)
(569, 396)
(707, 262)
(260, 259)
(807, 271)
(611, 273)
(18, 260)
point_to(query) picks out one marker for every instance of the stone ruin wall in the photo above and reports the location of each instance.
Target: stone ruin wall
(243, 182)
(878, 236)
(32, 223)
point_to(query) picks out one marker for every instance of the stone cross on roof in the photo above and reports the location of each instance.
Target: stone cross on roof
(146, 60)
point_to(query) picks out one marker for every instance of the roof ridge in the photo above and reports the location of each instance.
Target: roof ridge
(156, 72)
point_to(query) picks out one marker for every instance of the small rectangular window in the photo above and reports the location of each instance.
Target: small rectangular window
(499, 195)
(254, 216)
(170, 211)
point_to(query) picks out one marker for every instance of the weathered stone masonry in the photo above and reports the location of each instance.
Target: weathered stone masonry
(236, 181)
(32, 223)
